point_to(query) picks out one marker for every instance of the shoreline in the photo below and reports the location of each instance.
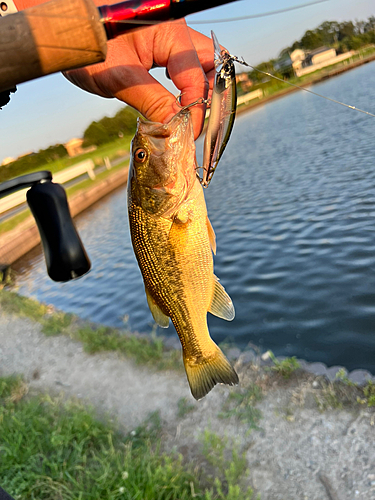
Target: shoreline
(319, 79)
(48, 314)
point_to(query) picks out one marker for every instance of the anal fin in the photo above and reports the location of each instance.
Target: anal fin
(221, 304)
(160, 318)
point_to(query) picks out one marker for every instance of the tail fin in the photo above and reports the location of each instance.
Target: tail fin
(205, 372)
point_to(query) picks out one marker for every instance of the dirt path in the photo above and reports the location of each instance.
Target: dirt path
(298, 452)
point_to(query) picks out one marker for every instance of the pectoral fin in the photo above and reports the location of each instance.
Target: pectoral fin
(160, 318)
(221, 304)
(211, 236)
(177, 233)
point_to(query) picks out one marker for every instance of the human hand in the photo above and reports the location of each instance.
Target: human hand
(186, 54)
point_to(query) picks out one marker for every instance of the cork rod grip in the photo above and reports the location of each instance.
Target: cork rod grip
(55, 36)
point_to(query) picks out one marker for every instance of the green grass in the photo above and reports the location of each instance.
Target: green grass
(12, 222)
(55, 323)
(184, 407)
(331, 397)
(286, 367)
(144, 350)
(148, 350)
(369, 393)
(12, 303)
(88, 183)
(338, 395)
(229, 468)
(240, 404)
(52, 449)
(6, 278)
(341, 376)
(52, 323)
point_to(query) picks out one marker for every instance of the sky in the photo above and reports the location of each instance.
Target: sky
(51, 110)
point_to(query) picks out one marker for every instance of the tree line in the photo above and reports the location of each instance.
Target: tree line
(343, 37)
(32, 161)
(108, 129)
(100, 132)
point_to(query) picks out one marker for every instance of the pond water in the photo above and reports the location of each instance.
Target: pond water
(293, 207)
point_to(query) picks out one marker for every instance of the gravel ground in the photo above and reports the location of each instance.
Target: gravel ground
(298, 451)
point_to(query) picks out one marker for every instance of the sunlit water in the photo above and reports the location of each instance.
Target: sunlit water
(293, 208)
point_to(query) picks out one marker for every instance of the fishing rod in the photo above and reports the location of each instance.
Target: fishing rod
(67, 34)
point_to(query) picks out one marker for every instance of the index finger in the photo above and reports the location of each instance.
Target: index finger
(184, 68)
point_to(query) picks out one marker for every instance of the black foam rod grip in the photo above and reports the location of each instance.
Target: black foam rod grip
(65, 255)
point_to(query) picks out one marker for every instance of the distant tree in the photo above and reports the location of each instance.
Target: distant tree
(346, 30)
(343, 36)
(52, 153)
(360, 27)
(257, 76)
(329, 31)
(370, 25)
(127, 120)
(108, 129)
(312, 40)
(95, 134)
(32, 162)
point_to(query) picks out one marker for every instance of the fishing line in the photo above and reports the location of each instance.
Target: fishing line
(208, 21)
(230, 19)
(263, 14)
(242, 61)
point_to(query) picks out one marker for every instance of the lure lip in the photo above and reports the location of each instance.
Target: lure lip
(217, 51)
(223, 110)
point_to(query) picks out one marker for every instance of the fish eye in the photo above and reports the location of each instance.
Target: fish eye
(140, 155)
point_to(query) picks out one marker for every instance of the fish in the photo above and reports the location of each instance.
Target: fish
(222, 111)
(173, 241)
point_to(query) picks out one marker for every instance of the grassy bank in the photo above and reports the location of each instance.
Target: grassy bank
(143, 349)
(50, 448)
(149, 350)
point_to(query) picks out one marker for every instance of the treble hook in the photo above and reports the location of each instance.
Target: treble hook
(201, 100)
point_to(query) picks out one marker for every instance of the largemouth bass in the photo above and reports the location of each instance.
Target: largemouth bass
(173, 241)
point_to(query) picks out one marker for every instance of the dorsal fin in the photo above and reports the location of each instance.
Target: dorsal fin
(221, 304)
(160, 318)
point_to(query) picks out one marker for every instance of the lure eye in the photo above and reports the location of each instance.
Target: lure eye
(140, 155)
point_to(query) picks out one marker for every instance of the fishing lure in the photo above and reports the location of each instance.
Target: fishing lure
(222, 111)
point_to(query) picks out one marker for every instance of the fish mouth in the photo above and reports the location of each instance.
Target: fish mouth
(172, 135)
